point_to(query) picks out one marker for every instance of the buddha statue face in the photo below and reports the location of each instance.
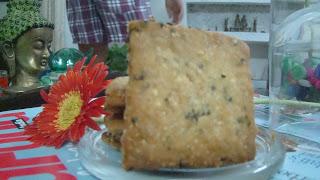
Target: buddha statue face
(25, 40)
(32, 51)
(28, 57)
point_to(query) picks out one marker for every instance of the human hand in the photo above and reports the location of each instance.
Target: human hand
(175, 10)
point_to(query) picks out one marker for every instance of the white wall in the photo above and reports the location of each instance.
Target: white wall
(159, 10)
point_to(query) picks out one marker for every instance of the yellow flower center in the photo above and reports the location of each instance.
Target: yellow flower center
(69, 109)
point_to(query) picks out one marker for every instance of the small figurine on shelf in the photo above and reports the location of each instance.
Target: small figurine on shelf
(226, 22)
(244, 24)
(254, 27)
(240, 24)
(237, 23)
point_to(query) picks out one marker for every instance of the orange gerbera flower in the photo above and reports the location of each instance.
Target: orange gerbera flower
(70, 105)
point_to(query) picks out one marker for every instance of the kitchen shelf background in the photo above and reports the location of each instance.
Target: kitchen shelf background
(210, 15)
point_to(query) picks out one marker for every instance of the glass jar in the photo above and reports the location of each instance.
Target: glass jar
(294, 81)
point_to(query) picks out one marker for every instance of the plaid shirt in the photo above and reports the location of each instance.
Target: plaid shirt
(96, 21)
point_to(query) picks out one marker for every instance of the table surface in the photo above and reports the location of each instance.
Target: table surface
(21, 159)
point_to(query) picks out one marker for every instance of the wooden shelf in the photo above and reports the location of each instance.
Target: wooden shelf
(250, 36)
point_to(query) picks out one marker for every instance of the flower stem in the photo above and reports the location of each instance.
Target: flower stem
(285, 102)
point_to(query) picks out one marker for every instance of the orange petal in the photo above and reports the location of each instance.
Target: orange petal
(92, 124)
(77, 67)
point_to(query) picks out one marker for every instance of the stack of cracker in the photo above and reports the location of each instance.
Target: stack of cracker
(115, 105)
(189, 99)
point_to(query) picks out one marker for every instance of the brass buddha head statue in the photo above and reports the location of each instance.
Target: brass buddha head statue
(25, 41)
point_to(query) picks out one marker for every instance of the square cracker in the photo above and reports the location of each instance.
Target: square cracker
(189, 99)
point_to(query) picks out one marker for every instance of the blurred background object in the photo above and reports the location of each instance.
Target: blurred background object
(295, 71)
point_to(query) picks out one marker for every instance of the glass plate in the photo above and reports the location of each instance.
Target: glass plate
(104, 162)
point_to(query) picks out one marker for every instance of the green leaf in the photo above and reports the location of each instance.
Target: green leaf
(117, 58)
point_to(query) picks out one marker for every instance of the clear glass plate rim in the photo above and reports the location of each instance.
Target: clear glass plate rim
(274, 154)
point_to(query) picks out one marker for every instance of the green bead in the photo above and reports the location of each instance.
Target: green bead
(46, 81)
(64, 58)
(290, 66)
(286, 64)
(298, 72)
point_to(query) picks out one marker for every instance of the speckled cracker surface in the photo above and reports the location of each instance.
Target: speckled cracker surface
(189, 100)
